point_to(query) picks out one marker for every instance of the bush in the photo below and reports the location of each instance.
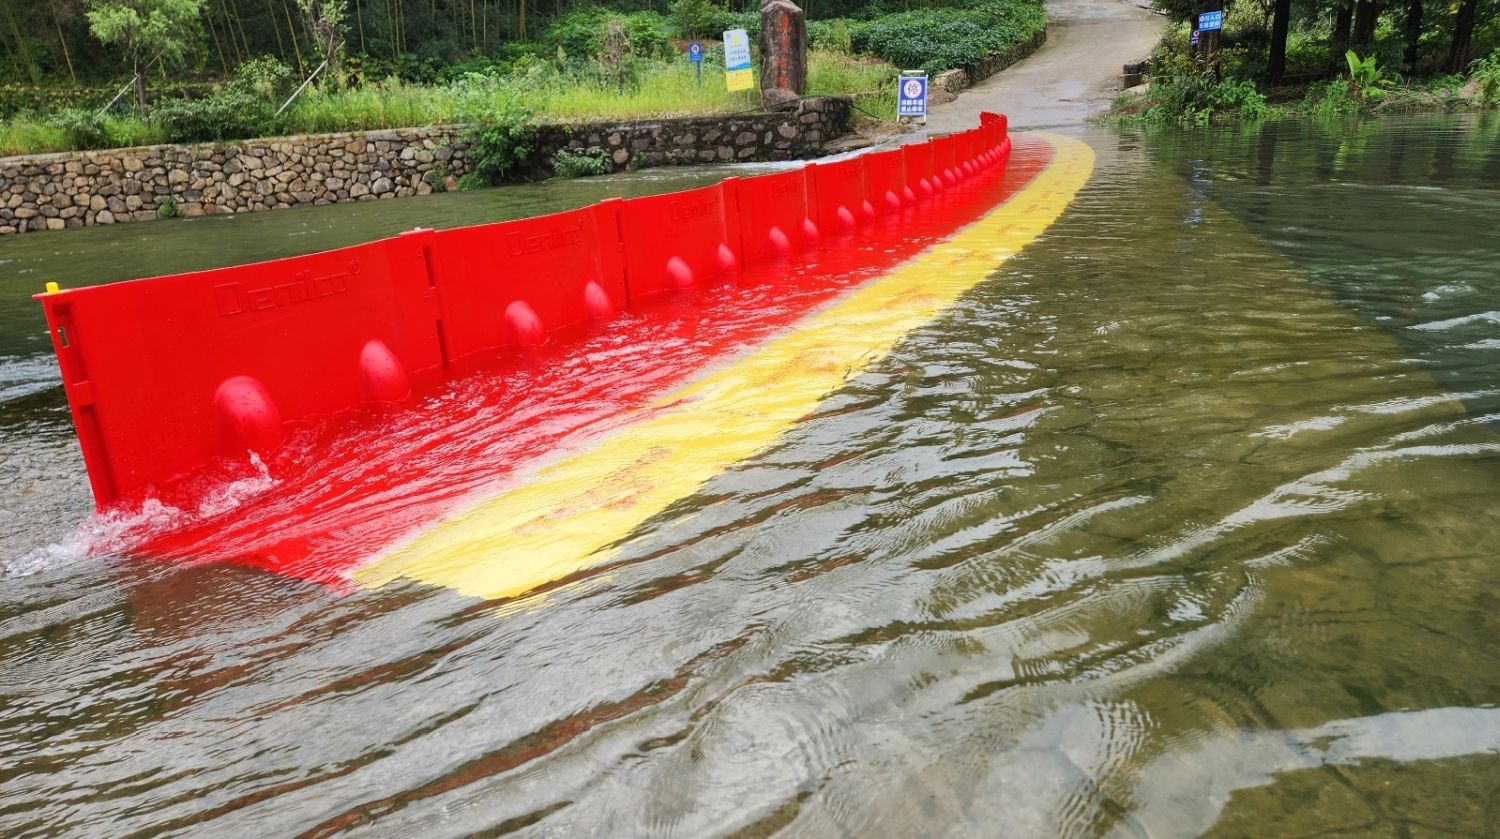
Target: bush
(1200, 99)
(941, 39)
(832, 35)
(84, 129)
(265, 78)
(1486, 71)
(580, 33)
(230, 115)
(501, 139)
(580, 163)
(694, 18)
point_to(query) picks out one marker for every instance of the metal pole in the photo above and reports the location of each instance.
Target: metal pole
(301, 87)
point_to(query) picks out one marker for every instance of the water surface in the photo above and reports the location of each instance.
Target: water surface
(1180, 524)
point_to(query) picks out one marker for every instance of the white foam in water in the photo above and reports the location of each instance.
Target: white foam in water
(1442, 325)
(1448, 290)
(117, 531)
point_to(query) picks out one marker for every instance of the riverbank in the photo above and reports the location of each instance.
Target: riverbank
(1316, 77)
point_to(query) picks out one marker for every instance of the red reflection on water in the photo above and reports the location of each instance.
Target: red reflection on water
(343, 489)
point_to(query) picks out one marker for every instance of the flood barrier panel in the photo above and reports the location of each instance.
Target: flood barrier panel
(167, 375)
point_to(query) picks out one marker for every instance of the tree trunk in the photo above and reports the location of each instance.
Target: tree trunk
(1280, 23)
(140, 85)
(1366, 14)
(1343, 18)
(1413, 34)
(276, 30)
(359, 16)
(1463, 36)
(63, 40)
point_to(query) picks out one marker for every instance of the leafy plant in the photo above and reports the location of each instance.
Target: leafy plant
(1365, 77)
(1486, 71)
(168, 208)
(580, 163)
(501, 140)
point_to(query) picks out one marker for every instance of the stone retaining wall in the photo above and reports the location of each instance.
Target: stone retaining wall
(954, 81)
(76, 189)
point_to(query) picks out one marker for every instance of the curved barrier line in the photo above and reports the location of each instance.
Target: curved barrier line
(172, 377)
(573, 514)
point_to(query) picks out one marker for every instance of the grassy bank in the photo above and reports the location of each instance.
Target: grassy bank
(1320, 80)
(568, 77)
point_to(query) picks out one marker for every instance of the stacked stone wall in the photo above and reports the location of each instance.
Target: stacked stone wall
(77, 189)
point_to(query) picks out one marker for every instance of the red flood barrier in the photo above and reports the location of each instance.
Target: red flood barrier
(679, 240)
(515, 283)
(885, 180)
(166, 375)
(943, 160)
(775, 221)
(919, 173)
(838, 191)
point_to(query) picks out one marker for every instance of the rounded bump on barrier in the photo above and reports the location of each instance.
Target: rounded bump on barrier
(524, 325)
(382, 378)
(968, 169)
(926, 188)
(596, 302)
(846, 220)
(867, 210)
(892, 201)
(728, 262)
(949, 179)
(908, 195)
(680, 274)
(810, 231)
(248, 417)
(779, 242)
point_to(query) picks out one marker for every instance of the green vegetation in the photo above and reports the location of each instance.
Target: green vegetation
(215, 70)
(581, 163)
(1322, 59)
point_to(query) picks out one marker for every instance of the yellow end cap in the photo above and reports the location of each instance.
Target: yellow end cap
(52, 288)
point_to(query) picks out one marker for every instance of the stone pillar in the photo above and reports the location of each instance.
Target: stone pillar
(783, 51)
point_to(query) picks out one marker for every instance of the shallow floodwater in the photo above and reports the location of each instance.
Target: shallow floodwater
(1182, 523)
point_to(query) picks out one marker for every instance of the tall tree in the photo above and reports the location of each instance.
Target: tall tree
(1463, 36)
(147, 31)
(1343, 18)
(1413, 34)
(1280, 24)
(1366, 15)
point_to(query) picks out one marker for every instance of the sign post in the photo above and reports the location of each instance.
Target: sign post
(911, 96)
(737, 73)
(695, 55)
(1206, 27)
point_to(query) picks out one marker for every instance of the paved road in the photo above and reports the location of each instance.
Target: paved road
(1073, 76)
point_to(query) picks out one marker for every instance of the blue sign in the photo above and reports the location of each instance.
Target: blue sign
(695, 52)
(1210, 21)
(911, 96)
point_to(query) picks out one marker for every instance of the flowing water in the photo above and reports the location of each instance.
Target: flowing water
(1182, 523)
